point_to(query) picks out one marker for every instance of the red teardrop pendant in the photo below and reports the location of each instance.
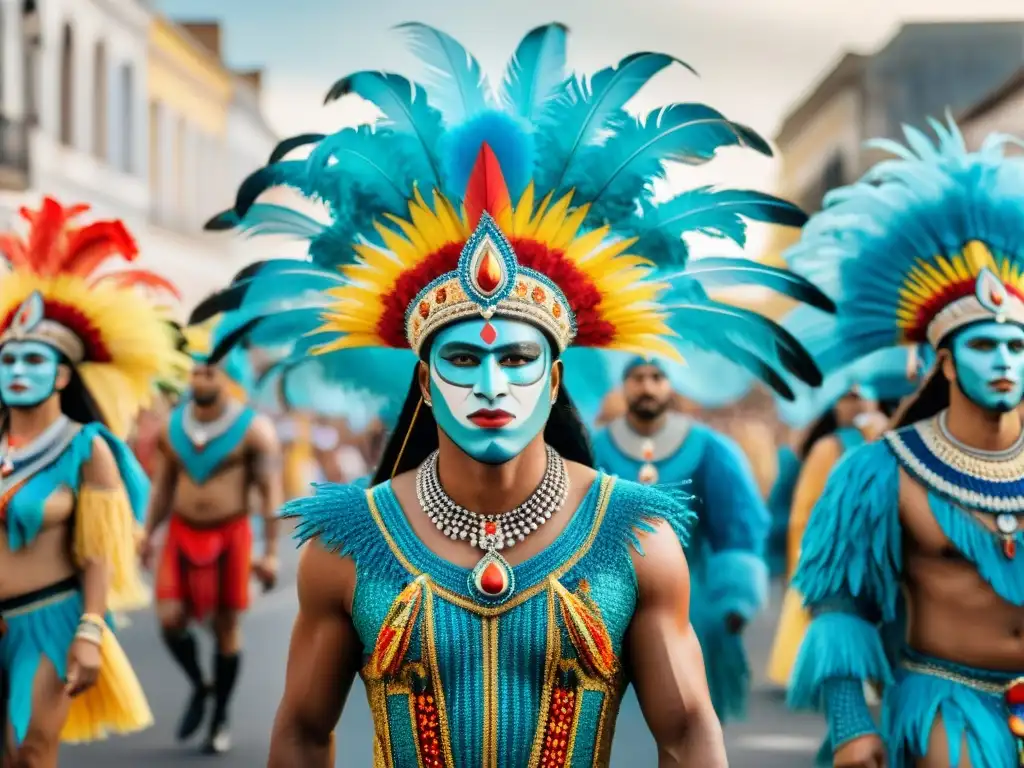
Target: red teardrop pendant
(1010, 547)
(492, 580)
(488, 272)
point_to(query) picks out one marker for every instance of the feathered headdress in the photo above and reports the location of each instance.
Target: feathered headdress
(924, 244)
(200, 338)
(532, 202)
(117, 339)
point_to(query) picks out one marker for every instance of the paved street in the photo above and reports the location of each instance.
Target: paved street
(772, 738)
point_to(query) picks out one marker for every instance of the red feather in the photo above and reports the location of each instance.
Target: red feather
(486, 189)
(90, 246)
(129, 278)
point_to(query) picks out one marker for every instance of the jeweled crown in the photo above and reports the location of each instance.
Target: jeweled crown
(489, 282)
(30, 323)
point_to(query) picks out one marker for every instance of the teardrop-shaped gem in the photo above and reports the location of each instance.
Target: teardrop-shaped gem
(648, 475)
(492, 578)
(488, 273)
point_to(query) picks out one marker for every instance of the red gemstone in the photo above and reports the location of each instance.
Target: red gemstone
(488, 333)
(1009, 548)
(488, 273)
(1015, 693)
(997, 298)
(492, 580)
(490, 528)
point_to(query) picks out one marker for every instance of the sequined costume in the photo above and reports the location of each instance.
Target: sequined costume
(504, 228)
(726, 549)
(117, 344)
(927, 246)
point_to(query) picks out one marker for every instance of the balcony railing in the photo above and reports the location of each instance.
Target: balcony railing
(14, 154)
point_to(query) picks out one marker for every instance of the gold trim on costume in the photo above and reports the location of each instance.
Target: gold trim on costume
(435, 674)
(489, 634)
(551, 657)
(607, 484)
(933, 670)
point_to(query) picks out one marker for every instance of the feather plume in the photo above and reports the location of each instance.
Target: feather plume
(405, 107)
(635, 155)
(912, 235)
(222, 222)
(535, 72)
(586, 108)
(287, 146)
(486, 190)
(715, 272)
(264, 219)
(510, 140)
(459, 87)
(286, 173)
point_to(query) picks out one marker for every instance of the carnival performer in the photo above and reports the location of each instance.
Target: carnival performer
(213, 452)
(79, 353)
(654, 444)
(488, 586)
(910, 562)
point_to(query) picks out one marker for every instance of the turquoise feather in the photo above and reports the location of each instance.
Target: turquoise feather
(458, 85)
(586, 108)
(535, 72)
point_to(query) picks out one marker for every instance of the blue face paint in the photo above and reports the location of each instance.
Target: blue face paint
(989, 361)
(28, 373)
(491, 392)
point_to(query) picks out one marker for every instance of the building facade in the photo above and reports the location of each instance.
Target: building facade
(72, 105)
(1001, 111)
(103, 102)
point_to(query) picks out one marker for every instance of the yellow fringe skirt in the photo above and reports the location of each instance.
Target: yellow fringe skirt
(43, 625)
(793, 622)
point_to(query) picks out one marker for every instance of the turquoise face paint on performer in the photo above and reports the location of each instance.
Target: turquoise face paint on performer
(28, 373)
(491, 391)
(989, 360)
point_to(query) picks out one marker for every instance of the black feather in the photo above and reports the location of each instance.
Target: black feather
(226, 300)
(287, 145)
(222, 222)
(231, 340)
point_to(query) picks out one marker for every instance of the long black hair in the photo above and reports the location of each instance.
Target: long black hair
(414, 437)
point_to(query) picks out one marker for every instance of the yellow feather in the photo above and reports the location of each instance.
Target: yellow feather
(553, 219)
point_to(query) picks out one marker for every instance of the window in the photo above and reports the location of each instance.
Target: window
(155, 156)
(67, 88)
(99, 110)
(127, 102)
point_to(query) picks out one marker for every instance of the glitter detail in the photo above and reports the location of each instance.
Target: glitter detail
(538, 295)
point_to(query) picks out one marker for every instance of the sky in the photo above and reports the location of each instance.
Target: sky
(755, 58)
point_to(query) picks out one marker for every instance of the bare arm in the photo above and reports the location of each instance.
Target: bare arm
(322, 663)
(666, 661)
(165, 480)
(267, 476)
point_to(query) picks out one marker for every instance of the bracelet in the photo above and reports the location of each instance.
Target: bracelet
(90, 633)
(93, 619)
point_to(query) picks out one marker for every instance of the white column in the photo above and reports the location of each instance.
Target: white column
(85, 84)
(12, 63)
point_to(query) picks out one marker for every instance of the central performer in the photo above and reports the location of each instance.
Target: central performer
(493, 591)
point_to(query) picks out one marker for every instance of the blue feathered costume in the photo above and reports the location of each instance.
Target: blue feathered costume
(570, 183)
(925, 244)
(726, 547)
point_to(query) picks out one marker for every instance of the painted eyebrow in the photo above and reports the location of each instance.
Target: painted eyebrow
(524, 348)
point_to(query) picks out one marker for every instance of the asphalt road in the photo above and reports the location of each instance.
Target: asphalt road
(772, 738)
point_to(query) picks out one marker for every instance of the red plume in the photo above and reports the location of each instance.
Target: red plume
(486, 189)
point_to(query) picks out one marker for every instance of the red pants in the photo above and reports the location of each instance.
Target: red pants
(206, 568)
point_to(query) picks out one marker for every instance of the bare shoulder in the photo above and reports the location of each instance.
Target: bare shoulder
(262, 435)
(827, 449)
(326, 580)
(101, 470)
(661, 568)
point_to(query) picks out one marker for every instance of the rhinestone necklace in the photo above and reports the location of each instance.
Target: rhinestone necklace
(492, 578)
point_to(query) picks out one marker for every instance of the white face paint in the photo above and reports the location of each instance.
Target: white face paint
(517, 400)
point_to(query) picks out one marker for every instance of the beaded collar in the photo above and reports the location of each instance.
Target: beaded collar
(662, 445)
(983, 481)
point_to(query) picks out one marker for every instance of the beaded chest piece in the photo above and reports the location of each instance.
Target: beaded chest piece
(980, 481)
